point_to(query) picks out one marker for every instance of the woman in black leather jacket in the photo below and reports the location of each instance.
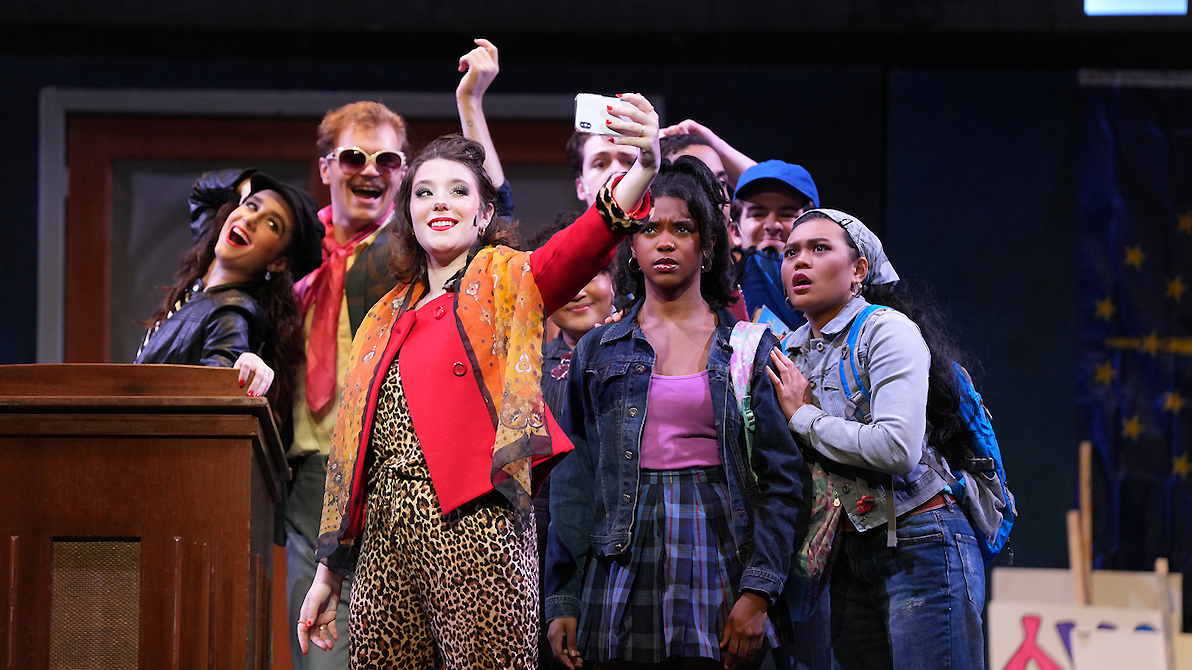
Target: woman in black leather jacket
(232, 304)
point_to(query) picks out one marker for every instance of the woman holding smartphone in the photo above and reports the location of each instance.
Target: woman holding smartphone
(442, 430)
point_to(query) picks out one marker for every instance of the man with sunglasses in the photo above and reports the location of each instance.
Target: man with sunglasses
(361, 160)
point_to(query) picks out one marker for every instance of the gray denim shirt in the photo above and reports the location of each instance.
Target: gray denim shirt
(889, 452)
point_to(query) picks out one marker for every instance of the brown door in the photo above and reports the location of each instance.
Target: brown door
(130, 176)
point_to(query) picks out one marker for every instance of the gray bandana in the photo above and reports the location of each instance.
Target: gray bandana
(880, 270)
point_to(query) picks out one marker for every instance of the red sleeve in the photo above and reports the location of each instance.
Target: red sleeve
(572, 256)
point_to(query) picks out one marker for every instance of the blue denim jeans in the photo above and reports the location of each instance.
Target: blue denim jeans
(916, 606)
(810, 647)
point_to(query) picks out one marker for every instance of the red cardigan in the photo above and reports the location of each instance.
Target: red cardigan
(448, 410)
(498, 313)
(458, 444)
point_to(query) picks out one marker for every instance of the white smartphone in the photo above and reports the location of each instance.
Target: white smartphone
(591, 112)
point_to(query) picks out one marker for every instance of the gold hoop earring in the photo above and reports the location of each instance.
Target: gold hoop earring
(632, 263)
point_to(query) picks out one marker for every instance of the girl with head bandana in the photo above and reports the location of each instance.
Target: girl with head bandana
(907, 580)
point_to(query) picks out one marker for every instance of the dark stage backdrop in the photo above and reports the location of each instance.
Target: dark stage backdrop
(970, 174)
(981, 194)
(1135, 366)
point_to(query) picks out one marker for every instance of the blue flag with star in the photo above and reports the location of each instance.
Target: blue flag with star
(1135, 364)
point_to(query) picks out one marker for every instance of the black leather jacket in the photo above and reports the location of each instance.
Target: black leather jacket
(212, 328)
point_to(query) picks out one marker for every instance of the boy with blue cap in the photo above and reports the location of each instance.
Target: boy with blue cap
(772, 195)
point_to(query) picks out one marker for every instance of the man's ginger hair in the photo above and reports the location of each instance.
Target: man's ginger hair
(366, 114)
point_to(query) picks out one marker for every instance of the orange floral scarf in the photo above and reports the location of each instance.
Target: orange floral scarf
(500, 309)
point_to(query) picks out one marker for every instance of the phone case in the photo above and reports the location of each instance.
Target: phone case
(591, 112)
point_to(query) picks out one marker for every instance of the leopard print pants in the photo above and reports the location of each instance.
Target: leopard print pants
(431, 590)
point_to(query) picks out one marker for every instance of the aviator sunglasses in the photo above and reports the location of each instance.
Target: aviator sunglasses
(355, 159)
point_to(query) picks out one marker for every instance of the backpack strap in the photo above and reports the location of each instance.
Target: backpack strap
(854, 391)
(857, 396)
(745, 340)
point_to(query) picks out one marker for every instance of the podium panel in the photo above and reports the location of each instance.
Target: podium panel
(140, 518)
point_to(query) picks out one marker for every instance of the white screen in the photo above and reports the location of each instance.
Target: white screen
(1135, 7)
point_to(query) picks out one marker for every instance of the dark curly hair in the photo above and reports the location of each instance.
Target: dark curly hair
(689, 180)
(285, 347)
(950, 433)
(407, 262)
(672, 144)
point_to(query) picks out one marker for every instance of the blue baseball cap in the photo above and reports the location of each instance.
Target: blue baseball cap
(764, 175)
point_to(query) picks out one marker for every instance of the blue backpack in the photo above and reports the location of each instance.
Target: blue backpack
(978, 483)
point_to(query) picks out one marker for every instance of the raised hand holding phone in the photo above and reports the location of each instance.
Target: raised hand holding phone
(593, 112)
(636, 122)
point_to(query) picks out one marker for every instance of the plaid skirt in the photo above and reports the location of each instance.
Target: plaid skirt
(671, 593)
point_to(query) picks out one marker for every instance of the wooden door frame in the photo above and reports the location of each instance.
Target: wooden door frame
(53, 176)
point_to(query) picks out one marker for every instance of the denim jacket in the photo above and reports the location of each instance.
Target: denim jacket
(594, 491)
(889, 453)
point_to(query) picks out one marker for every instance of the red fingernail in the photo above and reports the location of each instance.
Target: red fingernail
(241, 383)
(612, 141)
(618, 95)
(609, 107)
(608, 121)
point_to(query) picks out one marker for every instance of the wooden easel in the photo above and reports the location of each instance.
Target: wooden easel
(1080, 554)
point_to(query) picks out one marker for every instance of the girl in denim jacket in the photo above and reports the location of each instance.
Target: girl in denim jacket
(907, 578)
(668, 543)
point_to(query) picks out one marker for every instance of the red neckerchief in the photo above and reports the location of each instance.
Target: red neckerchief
(324, 289)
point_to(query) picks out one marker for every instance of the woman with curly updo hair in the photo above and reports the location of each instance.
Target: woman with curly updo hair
(442, 429)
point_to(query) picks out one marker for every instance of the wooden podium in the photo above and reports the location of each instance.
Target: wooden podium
(136, 518)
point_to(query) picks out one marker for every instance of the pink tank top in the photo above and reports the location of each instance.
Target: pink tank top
(680, 428)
